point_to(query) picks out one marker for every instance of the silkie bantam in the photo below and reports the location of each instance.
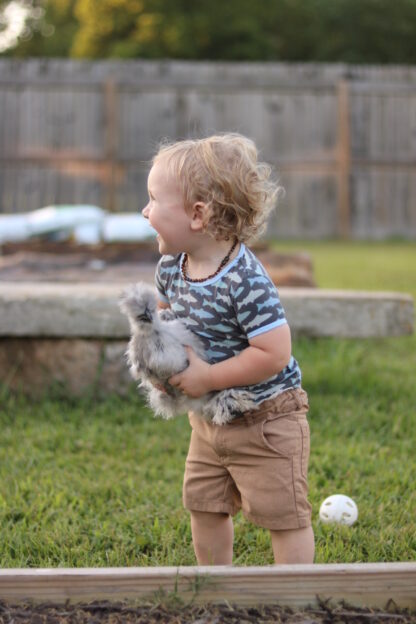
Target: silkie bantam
(156, 351)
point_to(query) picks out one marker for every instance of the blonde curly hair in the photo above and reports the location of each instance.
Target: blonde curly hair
(223, 172)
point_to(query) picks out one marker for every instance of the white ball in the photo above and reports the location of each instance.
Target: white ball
(340, 509)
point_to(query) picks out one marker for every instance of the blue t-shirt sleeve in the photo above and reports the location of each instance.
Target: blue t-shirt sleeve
(257, 305)
(160, 282)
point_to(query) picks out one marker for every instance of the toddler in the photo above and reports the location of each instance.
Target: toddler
(207, 199)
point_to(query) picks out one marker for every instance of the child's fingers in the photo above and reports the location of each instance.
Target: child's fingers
(160, 387)
(174, 380)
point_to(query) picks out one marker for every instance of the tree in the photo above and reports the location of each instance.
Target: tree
(358, 31)
(368, 31)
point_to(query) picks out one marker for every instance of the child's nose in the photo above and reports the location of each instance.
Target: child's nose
(145, 211)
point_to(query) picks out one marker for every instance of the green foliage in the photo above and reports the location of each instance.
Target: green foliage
(98, 483)
(356, 31)
(51, 33)
(373, 31)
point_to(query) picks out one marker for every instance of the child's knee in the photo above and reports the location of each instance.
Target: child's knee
(209, 518)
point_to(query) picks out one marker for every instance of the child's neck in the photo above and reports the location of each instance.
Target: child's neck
(206, 258)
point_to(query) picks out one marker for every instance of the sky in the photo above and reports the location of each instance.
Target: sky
(13, 17)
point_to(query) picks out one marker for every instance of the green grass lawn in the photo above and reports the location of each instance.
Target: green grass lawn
(98, 483)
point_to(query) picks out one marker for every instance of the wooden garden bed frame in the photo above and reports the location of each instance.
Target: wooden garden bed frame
(377, 585)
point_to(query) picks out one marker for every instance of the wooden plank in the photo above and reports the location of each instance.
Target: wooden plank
(344, 161)
(388, 132)
(52, 121)
(84, 72)
(307, 209)
(9, 132)
(110, 131)
(384, 203)
(91, 310)
(370, 585)
(145, 119)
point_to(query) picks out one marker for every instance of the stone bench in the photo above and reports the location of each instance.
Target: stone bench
(74, 334)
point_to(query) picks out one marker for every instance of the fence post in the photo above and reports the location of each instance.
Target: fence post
(344, 160)
(110, 104)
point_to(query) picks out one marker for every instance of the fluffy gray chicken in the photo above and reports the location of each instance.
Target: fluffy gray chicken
(156, 351)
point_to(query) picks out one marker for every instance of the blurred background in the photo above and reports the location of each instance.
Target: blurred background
(326, 88)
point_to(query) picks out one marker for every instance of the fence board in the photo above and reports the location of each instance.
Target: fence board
(383, 203)
(144, 119)
(308, 207)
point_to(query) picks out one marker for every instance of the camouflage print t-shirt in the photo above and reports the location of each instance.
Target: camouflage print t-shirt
(225, 311)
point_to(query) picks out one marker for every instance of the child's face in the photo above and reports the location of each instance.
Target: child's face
(166, 211)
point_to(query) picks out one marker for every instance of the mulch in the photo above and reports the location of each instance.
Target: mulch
(100, 612)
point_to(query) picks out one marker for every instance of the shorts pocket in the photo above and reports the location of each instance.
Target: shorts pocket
(304, 425)
(281, 435)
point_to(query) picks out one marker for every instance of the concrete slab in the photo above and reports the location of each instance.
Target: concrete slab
(86, 310)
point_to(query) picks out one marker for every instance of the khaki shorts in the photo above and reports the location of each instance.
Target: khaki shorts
(257, 463)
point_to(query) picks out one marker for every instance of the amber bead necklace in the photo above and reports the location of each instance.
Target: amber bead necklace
(203, 279)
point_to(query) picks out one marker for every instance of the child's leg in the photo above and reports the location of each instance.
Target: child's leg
(212, 537)
(293, 545)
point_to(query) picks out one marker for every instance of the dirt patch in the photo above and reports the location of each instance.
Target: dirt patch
(45, 261)
(118, 612)
(66, 262)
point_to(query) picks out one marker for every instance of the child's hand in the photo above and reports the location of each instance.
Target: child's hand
(194, 381)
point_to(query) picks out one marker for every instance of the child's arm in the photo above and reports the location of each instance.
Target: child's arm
(266, 355)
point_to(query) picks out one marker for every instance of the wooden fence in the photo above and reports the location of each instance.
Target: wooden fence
(342, 138)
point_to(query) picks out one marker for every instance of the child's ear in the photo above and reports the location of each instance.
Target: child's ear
(197, 216)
